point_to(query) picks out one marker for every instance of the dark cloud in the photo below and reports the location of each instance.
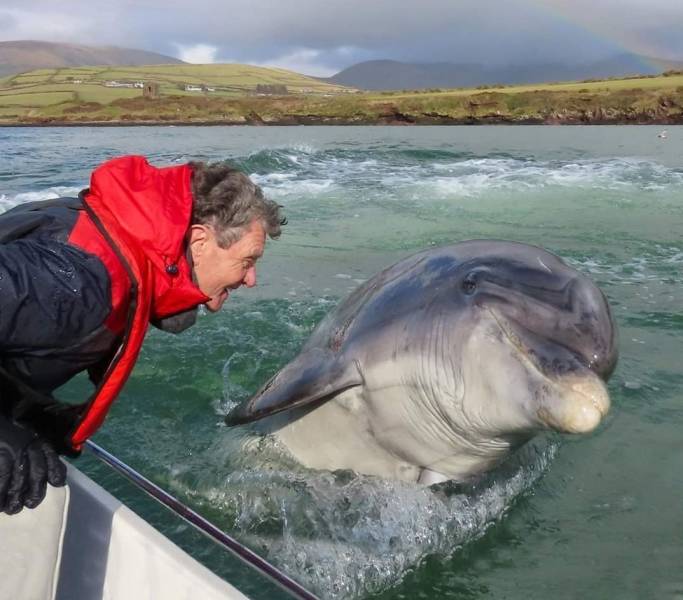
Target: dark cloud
(326, 36)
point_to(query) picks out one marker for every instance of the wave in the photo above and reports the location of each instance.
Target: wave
(476, 176)
(10, 201)
(295, 171)
(299, 173)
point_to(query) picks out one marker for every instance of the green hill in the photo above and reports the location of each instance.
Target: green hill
(228, 94)
(68, 87)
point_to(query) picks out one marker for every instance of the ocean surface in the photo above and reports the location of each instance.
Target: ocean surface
(598, 516)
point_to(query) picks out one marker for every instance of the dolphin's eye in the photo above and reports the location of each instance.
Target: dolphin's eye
(469, 284)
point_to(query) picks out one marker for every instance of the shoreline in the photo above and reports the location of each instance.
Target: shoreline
(623, 107)
(313, 122)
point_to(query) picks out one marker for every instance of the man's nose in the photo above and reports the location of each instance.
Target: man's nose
(250, 277)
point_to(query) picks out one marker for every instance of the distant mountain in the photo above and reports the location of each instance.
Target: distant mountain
(27, 55)
(393, 75)
(664, 64)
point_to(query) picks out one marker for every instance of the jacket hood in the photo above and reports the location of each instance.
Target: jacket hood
(153, 206)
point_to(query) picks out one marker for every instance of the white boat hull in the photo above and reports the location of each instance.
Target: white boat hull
(81, 543)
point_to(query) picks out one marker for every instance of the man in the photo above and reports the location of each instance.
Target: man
(81, 278)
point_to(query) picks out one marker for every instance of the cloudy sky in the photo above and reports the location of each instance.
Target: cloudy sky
(321, 37)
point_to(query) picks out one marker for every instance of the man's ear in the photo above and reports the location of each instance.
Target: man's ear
(198, 236)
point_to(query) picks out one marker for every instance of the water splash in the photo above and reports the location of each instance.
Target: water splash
(346, 536)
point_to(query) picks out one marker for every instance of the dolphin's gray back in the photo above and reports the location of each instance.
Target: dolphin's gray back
(401, 290)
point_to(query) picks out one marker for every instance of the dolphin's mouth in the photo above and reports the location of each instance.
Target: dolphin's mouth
(574, 398)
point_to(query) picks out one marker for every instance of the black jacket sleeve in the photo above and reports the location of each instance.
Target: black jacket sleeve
(54, 302)
(52, 295)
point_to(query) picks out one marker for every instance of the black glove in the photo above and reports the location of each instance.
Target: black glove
(27, 464)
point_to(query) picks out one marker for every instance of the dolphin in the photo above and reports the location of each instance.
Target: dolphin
(441, 365)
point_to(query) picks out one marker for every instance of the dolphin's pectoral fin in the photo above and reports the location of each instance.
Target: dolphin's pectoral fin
(313, 375)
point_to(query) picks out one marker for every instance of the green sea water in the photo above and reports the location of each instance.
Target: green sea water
(598, 516)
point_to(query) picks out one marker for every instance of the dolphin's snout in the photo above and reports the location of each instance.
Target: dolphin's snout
(566, 332)
(595, 340)
(580, 407)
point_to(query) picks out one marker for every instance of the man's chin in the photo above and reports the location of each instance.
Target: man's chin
(216, 303)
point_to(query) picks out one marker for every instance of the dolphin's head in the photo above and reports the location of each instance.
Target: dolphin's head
(542, 341)
(485, 343)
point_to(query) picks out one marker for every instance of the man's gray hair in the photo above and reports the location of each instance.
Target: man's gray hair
(228, 201)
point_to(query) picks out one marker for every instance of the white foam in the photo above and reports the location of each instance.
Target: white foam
(9, 201)
(676, 258)
(306, 187)
(271, 178)
(475, 176)
(468, 177)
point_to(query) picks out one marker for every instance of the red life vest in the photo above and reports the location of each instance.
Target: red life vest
(135, 221)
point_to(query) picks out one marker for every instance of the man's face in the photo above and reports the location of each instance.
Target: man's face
(219, 270)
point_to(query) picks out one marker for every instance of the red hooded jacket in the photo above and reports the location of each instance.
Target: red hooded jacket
(133, 219)
(143, 213)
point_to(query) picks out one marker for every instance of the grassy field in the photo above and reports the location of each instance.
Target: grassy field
(230, 78)
(606, 85)
(77, 95)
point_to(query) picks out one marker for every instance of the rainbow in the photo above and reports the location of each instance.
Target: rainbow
(650, 54)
